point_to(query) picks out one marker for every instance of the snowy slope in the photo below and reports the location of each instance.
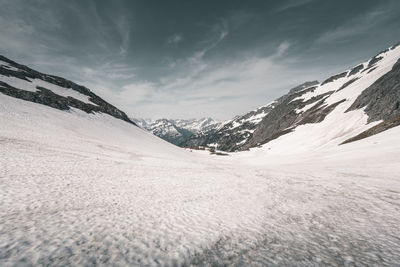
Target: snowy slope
(343, 108)
(81, 188)
(324, 117)
(19, 81)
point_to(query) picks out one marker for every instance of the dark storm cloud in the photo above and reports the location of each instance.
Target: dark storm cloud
(195, 58)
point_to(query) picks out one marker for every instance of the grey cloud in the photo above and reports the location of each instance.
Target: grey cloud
(197, 58)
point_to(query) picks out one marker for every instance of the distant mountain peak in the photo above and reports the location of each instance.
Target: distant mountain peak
(176, 131)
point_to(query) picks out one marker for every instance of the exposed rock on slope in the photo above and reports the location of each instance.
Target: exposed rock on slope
(233, 134)
(354, 100)
(24, 83)
(288, 114)
(382, 99)
(367, 86)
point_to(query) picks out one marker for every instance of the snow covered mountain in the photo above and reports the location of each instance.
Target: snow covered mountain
(354, 104)
(231, 135)
(81, 185)
(24, 83)
(176, 131)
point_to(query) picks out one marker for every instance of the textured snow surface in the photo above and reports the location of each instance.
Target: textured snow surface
(80, 189)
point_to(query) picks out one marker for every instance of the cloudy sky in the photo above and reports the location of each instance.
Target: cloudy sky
(186, 59)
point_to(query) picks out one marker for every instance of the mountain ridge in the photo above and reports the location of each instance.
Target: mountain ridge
(22, 82)
(312, 102)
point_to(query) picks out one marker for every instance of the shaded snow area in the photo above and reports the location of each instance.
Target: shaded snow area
(81, 189)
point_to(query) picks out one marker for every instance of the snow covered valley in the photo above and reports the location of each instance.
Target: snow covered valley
(84, 189)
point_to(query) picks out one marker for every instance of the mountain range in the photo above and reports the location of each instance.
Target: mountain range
(369, 90)
(176, 131)
(316, 181)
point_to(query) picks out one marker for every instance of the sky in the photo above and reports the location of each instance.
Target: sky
(193, 59)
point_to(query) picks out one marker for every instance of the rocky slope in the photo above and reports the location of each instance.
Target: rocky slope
(372, 88)
(176, 131)
(232, 134)
(22, 82)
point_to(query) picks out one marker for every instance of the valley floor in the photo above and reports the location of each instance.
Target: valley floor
(84, 191)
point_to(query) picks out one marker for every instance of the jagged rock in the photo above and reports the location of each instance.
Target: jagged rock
(356, 69)
(347, 84)
(335, 77)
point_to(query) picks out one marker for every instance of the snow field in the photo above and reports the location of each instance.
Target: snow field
(85, 189)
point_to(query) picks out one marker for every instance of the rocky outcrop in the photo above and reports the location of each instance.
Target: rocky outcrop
(49, 98)
(347, 83)
(334, 77)
(382, 99)
(356, 69)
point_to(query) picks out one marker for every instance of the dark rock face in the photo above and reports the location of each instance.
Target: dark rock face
(356, 69)
(335, 77)
(47, 97)
(382, 99)
(347, 84)
(373, 61)
(301, 87)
